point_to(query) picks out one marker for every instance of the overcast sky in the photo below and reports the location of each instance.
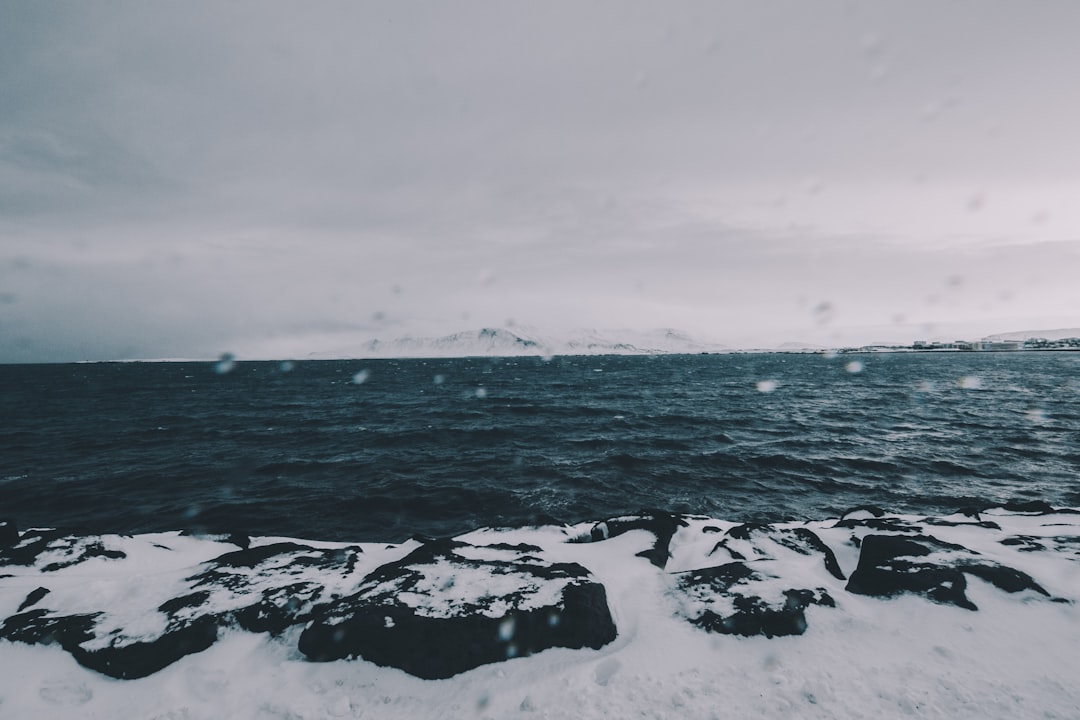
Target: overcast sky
(184, 179)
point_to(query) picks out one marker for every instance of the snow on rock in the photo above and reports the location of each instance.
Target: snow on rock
(873, 614)
(447, 608)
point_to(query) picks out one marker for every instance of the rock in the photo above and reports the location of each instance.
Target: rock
(140, 658)
(802, 540)
(33, 597)
(882, 572)
(448, 607)
(263, 589)
(885, 571)
(86, 551)
(37, 627)
(1004, 578)
(661, 524)
(721, 599)
(64, 548)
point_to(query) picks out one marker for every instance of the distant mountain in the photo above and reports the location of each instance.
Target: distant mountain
(1020, 335)
(519, 341)
(798, 346)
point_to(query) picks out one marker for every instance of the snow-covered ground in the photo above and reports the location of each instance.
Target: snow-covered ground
(883, 655)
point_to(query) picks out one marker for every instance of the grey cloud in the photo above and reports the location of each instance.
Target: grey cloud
(285, 166)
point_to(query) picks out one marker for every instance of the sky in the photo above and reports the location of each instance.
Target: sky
(185, 179)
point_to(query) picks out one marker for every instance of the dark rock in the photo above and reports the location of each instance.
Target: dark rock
(1004, 578)
(193, 600)
(748, 614)
(37, 627)
(802, 540)
(250, 557)
(941, 522)
(439, 638)
(660, 523)
(33, 598)
(127, 661)
(881, 572)
(278, 609)
(89, 550)
(120, 660)
(884, 524)
(1025, 543)
(1032, 507)
(30, 545)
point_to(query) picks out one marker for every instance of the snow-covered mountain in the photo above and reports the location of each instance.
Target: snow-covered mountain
(523, 341)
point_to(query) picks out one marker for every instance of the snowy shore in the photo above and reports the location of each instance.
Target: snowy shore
(650, 615)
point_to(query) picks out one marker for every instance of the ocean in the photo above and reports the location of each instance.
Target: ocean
(380, 450)
(693, 537)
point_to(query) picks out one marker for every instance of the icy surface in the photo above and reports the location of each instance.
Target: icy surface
(894, 654)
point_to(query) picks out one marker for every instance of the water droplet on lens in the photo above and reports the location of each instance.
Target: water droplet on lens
(824, 312)
(361, 377)
(766, 386)
(969, 382)
(225, 364)
(439, 379)
(481, 392)
(287, 366)
(506, 630)
(855, 366)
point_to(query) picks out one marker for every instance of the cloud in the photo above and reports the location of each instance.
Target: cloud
(180, 177)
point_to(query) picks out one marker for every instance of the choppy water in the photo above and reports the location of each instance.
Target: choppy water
(442, 446)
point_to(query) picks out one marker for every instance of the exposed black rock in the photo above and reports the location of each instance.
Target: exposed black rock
(130, 660)
(1030, 507)
(123, 658)
(31, 544)
(432, 636)
(660, 523)
(71, 548)
(942, 522)
(250, 557)
(1004, 578)
(89, 550)
(882, 572)
(37, 627)
(279, 608)
(259, 589)
(33, 597)
(802, 540)
(885, 571)
(722, 603)
(884, 524)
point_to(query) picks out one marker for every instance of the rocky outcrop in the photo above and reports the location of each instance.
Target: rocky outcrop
(438, 607)
(449, 607)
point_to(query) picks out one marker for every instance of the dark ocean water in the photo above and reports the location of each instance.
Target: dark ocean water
(443, 446)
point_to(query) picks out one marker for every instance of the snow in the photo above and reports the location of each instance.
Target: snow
(1015, 657)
